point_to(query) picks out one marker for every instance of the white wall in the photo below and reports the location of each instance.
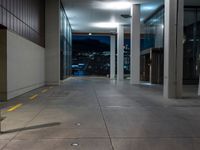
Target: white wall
(25, 65)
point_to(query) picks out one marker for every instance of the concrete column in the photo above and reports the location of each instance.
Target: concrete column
(120, 53)
(52, 43)
(135, 44)
(112, 57)
(173, 50)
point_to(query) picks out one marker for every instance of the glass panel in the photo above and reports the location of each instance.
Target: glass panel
(198, 40)
(154, 32)
(190, 45)
(154, 38)
(65, 43)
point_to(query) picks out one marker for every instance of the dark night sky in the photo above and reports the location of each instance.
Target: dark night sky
(103, 39)
(87, 42)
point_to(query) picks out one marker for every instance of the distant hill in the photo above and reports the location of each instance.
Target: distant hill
(89, 45)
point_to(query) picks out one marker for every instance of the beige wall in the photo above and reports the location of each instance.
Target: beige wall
(25, 65)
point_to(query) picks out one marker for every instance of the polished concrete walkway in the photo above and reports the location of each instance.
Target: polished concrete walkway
(99, 114)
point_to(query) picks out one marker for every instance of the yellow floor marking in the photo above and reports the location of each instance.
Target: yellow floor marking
(1, 104)
(44, 91)
(14, 107)
(33, 97)
(51, 87)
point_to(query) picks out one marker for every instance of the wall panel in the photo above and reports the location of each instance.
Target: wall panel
(25, 17)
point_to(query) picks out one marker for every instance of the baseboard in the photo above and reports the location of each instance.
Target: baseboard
(18, 92)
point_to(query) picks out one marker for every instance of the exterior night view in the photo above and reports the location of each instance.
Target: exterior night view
(99, 75)
(91, 55)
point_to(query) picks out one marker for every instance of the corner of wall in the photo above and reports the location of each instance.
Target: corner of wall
(3, 64)
(52, 43)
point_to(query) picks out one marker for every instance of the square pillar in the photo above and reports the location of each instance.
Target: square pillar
(120, 53)
(52, 42)
(112, 57)
(173, 49)
(135, 44)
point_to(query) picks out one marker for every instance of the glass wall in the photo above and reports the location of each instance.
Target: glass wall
(65, 45)
(154, 38)
(91, 55)
(191, 43)
(154, 31)
(127, 57)
(24, 17)
(198, 40)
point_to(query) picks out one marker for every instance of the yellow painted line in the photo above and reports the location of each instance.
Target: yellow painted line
(33, 97)
(44, 91)
(14, 107)
(1, 104)
(51, 87)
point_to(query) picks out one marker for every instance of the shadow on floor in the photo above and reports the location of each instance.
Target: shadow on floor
(32, 127)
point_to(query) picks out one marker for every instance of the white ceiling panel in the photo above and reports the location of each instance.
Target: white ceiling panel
(84, 14)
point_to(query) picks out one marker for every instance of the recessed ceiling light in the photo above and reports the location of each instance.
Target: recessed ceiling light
(106, 25)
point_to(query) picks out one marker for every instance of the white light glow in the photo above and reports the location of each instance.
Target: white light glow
(154, 20)
(121, 5)
(141, 19)
(147, 8)
(108, 25)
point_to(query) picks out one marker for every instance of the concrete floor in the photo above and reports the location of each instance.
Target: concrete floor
(99, 114)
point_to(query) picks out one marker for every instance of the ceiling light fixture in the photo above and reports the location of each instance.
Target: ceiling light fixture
(109, 25)
(120, 5)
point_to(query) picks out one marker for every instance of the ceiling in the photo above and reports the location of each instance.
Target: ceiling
(85, 14)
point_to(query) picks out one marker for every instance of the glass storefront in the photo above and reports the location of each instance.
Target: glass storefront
(152, 48)
(154, 38)
(154, 30)
(65, 45)
(91, 55)
(127, 57)
(191, 43)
